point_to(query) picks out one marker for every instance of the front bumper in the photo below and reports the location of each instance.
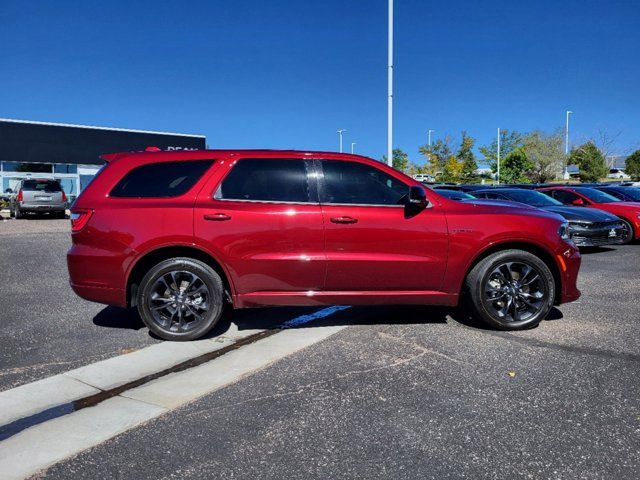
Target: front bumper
(568, 260)
(612, 234)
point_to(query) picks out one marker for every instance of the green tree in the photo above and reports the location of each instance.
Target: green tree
(436, 155)
(544, 151)
(591, 162)
(469, 167)
(451, 170)
(400, 160)
(632, 165)
(509, 141)
(515, 167)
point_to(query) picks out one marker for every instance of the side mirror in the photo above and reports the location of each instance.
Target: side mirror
(417, 197)
(578, 202)
(8, 190)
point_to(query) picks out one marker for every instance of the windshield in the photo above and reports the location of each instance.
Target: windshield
(596, 195)
(530, 197)
(454, 195)
(630, 192)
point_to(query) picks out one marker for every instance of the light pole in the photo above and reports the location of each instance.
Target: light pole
(498, 156)
(340, 132)
(353, 144)
(566, 145)
(390, 87)
(429, 134)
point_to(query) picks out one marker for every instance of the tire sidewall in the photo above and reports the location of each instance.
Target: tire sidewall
(206, 274)
(503, 257)
(629, 228)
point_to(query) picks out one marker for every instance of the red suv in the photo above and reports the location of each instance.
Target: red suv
(180, 235)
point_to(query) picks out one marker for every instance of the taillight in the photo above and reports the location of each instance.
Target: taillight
(64, 197)
(20, 196)
(79, 219)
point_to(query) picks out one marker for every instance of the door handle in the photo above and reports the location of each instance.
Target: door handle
(344, 220)
(216, 217)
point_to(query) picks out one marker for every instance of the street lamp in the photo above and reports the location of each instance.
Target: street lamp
(429, 142)
(498, 155)
(353, 144)
(390, 87)
(340, 132)
(566, 145)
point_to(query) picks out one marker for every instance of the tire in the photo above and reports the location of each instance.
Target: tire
(510, 290)
(17, 213)
(61, 215)
(630, 235)
(173, 313)
(11, 213)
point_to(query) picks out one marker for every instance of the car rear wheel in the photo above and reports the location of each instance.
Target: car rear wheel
(628, 232)
(511, 290)
(181, 299)
(17, 213)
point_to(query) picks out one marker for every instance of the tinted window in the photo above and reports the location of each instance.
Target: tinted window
(167, 179)
(531, 197)
(563, 196)
(41, 186)
(357, 183)
(266, 180)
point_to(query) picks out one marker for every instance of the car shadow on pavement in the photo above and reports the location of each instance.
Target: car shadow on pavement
(308, 317)
(116, 317)
(592, 250)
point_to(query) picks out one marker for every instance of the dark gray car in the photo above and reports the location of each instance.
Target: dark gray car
(38, 196)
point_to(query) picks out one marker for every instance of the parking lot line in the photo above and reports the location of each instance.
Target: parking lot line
(44, 444)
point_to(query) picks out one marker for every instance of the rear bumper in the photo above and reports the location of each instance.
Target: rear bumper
(106, 295)
(35, 207)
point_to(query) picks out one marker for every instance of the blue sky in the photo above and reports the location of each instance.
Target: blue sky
(288, 74)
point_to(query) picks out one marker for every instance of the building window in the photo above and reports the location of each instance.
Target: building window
(27, 167)
(65, 168)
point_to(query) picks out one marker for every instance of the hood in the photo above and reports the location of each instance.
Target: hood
(581, 214)
(499, 203)
(503, 207)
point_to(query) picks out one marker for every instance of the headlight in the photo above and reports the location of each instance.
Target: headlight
(563, 231)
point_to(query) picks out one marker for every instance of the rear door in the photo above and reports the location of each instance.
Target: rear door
(265, 223)
(372, 244)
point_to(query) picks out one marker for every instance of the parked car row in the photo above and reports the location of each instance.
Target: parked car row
(598, 215)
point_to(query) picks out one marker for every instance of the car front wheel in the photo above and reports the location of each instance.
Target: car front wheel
(511, 290)
(181, 299)
(627, 231)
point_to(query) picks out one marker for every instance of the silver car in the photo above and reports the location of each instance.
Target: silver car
(38, 196)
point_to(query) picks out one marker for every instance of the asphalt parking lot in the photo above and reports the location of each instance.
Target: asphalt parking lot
(402, 392)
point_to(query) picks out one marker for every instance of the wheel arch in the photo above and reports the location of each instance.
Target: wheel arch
(153, 257)
(545, 255)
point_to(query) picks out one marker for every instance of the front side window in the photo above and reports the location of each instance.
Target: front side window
(360, 184)
(266, 180)
(563, 196)
(156, 180)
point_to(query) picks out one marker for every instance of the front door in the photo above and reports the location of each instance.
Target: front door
(372, 242)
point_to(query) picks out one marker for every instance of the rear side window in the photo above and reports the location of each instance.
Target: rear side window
(266, 180)
(49, 186)
(167, 179)
(359, 184)
(563, 196)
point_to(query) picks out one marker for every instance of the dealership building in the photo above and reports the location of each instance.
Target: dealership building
(71, 153)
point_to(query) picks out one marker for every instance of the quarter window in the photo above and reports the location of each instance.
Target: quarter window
(360, 184)
(266, 180)
(564, 196)
(166, 179)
